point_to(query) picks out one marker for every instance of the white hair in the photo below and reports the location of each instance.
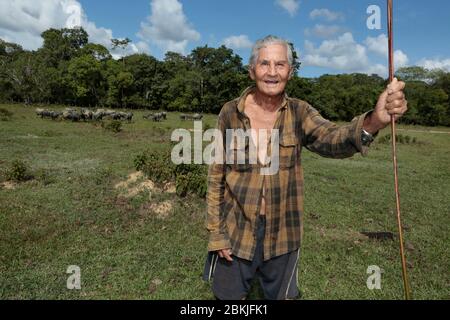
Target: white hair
(262, 43)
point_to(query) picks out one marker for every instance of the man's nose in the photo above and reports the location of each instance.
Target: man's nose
(272, 69)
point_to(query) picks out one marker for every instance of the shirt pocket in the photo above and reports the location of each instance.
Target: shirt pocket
(287, 151)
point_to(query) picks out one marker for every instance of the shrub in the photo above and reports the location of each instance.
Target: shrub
(18, 171)
(399, 138)
(189, 178)
(157, 166)
(139, 161)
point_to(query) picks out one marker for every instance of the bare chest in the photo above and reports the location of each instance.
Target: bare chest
(260, 119)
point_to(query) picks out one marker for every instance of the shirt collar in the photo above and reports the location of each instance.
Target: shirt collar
(241, 100)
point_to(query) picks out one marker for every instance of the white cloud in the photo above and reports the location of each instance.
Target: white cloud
(347, 55)
(323, 31)
(23, 21)
(343, 54)
(326, 14)
(143, 47)
(379, 45)
(168, 26)
(238, 42)
(435, 64)
(400, 59)
(379, 69)
(291, 6)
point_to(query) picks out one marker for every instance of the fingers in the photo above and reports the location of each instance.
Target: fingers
(395, 86)
(397, 107)
(226, 253)
(396, 103)
(395, 96)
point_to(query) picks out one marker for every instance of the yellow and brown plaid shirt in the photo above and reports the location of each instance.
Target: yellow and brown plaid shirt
(235, 190)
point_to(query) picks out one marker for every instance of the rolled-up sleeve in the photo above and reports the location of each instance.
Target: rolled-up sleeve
(330, 140)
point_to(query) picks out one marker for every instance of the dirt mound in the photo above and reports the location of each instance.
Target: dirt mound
(135, 184)
(161, 210)
(8, 185)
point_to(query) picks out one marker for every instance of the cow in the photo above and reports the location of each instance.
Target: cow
(195, 117)
(86, 114)
(39, 112)
(71, 115)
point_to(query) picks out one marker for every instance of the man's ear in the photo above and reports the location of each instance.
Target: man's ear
(251, 72)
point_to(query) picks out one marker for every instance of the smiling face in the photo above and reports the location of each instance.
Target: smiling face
(271, 71)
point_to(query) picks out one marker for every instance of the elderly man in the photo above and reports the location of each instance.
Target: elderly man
(255, 221)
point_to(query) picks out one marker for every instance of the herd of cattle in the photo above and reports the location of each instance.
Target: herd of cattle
(163, 116)
(84, 114)
(196, 117)
(156, 116)
(100, 114)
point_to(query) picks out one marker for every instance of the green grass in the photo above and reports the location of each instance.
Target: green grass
(71, 214)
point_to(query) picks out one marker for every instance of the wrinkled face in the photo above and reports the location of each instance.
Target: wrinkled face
(271, 71)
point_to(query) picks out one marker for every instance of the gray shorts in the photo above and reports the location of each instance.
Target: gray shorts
(232, 280)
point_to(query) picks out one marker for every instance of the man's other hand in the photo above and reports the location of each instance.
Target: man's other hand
(225, 253)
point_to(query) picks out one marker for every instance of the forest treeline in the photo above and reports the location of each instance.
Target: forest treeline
(69, 70)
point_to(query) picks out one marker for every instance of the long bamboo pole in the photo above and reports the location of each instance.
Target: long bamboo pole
(394, 153)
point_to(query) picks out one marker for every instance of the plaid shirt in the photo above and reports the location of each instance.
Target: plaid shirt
(235, 191)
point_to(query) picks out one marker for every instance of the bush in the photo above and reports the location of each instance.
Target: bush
(139, 161)
(5, 115)
(114, 126)
(399, 138)
(189, 178)
(18, 171)
(157, 166)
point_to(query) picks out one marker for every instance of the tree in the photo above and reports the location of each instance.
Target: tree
(99, 52)
(296, 63)
(119, 82)
(9, 52)
(220, 75)
(86, 78)
(413, 73)
(62, 44)
(123, 44)
(149, 80)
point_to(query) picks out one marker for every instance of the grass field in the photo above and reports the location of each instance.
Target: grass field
(128, 246)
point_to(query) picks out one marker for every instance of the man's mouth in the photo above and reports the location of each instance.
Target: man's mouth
(271, 82)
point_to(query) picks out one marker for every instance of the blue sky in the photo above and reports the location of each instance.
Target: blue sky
(331, 36)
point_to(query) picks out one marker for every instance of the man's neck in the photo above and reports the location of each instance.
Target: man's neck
(267, 103)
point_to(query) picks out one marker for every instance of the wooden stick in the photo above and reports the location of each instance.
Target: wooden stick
(394, 153)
